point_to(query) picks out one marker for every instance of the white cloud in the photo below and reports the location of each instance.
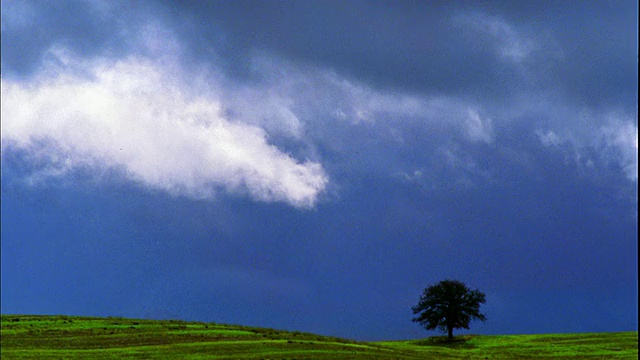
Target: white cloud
(622, 137)
(264, 107)
(510, 43)
(414, 176)
(479, 129)
(611, 136)
(361, 104)
(315, 97)
(549, 138)
(140, 117)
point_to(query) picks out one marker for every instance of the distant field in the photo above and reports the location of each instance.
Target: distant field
(70, 337)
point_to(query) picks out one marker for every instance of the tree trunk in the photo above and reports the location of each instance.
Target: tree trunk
(450, 329)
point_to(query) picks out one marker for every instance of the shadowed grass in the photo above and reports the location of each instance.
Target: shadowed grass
(69, 337)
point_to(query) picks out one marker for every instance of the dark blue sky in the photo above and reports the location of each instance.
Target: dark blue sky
(314, 166)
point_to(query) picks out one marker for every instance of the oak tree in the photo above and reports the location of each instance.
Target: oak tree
(449, 305)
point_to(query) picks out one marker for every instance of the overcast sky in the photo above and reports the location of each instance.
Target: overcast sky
(314, 165)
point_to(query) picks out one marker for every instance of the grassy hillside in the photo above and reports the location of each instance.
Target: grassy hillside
(68, 337)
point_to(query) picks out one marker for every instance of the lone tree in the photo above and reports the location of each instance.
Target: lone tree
(448, 305)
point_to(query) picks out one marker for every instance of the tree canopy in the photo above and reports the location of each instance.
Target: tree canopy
(449, 305)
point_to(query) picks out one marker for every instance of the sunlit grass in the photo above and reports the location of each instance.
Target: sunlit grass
(55, 337)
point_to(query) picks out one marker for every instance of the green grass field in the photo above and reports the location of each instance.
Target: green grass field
(70, 337)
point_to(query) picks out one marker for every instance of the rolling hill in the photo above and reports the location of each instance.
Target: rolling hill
(72, 337)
